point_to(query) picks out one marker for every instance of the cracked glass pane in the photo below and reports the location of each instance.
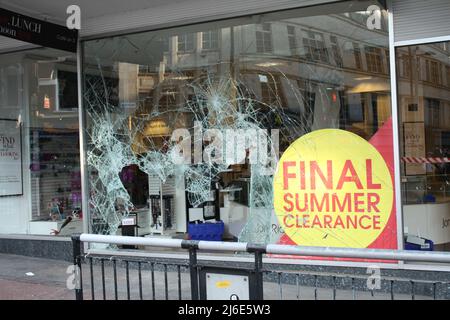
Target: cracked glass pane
(189, 123)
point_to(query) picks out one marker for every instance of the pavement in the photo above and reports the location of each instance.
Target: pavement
(46, 279)
(28, 278)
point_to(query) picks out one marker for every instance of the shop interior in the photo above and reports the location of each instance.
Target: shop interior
(424, 108)
(141, 87)
(39, 91)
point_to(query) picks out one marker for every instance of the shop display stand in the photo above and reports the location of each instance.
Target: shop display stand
(55, 173)
(156, 223)
(162, 219)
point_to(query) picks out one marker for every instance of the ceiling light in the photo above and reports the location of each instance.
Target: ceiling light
(269, 64)
(181, 78)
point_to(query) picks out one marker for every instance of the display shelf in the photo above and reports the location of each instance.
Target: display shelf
(55, 170)
(161, 205)
(421, 189)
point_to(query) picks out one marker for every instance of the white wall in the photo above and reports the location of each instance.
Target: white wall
(172, 13)
(418, 19)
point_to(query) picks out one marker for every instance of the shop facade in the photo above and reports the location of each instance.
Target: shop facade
(322, 123)
(40, 169)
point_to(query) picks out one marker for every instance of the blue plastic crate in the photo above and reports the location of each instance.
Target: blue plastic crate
(208, 231)
(428, 246)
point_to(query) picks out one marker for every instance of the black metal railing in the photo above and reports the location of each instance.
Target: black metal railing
(128, 275)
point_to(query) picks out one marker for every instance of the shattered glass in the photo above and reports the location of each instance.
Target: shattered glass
(116, 141)
(248, 91)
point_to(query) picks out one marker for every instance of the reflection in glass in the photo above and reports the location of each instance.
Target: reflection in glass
(38, 89)
(288, 74)
(424, 108)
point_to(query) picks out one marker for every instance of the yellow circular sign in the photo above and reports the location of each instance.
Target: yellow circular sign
(332, 188)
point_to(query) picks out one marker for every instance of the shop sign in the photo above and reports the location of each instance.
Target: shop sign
(131, 221)
(332, 188)
(227, 287)
(414, 135)
(10, 158)
(43, 33)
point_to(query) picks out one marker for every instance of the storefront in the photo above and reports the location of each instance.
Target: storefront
(147, 93)
(423, 97)
(40, 168)
(325, 123)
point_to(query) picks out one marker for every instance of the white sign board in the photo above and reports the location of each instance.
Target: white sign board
(414, 140)
(10, 158)
(130, 221)
(227, 287)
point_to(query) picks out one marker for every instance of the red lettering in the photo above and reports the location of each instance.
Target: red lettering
(353, 222)
(358, 202)
(302, 175)
(341, 206)
(286, 174)
(327, 219)
(305, 221)
(328, 181)
(348, 167)
(369, 175)
(305, 202)
(361, 222)
(315, 203)
(338, 222)
(285, 222)
(376, 222)
(287, 197)
(373, 204)
(316, 221)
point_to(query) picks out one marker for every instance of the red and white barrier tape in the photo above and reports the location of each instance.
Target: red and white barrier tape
(425, 160)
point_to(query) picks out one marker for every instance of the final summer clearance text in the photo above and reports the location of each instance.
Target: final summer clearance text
(320, 194)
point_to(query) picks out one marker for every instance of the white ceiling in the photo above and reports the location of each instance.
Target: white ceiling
(105, 17)
(56, 10)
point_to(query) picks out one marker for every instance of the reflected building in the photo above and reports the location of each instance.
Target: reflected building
(300, 74)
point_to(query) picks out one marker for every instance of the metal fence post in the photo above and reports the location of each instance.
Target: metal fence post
(194, 273)
(254, 275)
(192, 246)
(76, 247)
(258, 251)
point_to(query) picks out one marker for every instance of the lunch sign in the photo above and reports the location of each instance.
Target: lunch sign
(43, 33)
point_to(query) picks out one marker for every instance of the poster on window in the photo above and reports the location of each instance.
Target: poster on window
(10, 158)
(414, 133)
(332, 188)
